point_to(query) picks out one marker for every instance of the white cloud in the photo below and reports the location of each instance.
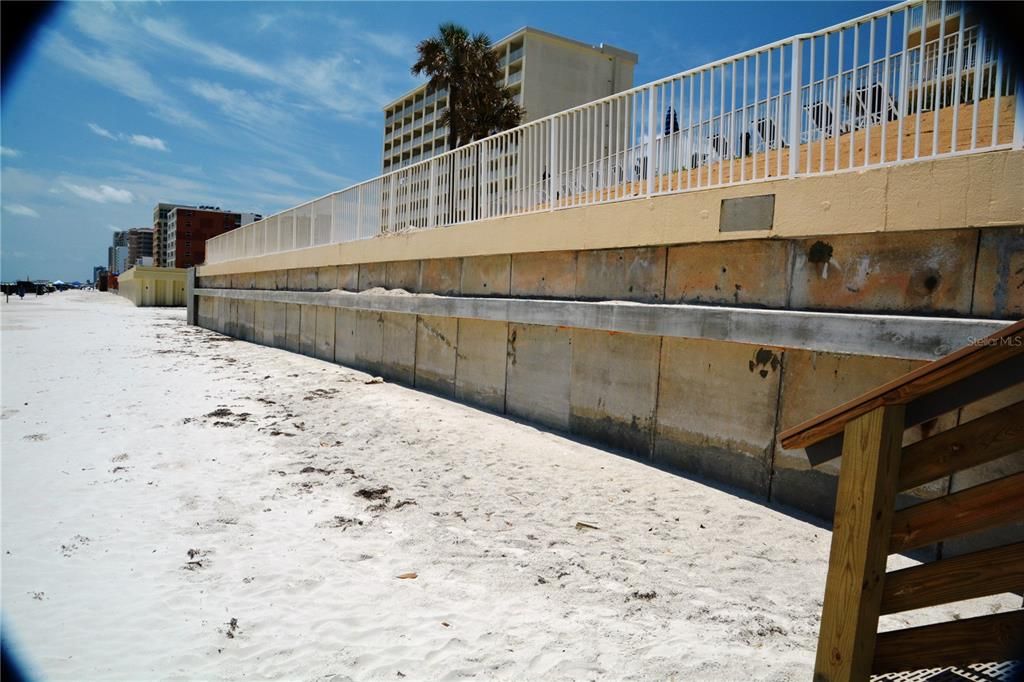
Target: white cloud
(148, 142)
(19, 209)
(7, 151)
(121, 74)
(101, 131)
(102, 195)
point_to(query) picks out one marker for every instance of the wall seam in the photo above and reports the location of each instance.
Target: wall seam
(657, 400)
(773, 447)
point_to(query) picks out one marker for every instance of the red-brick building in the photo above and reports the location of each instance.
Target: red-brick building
(188, 229)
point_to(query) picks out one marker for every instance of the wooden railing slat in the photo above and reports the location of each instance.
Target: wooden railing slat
(979, 574)
(968, 511)
(975, 442)
(998, 637)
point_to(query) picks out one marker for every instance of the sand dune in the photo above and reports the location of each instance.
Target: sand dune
(304, 492)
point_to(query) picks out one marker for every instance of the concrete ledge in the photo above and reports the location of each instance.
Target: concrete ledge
(920, 338)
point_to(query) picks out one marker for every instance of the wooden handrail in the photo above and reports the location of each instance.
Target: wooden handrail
(990, 351)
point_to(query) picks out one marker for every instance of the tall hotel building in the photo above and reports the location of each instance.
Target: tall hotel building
(547, 73)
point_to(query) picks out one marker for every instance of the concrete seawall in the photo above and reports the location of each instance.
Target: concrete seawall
(692, 357)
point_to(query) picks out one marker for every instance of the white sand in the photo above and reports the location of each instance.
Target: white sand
(111, 473)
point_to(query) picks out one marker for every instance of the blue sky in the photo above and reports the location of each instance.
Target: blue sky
(260, 106)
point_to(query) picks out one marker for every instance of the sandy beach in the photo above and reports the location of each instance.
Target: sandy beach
(180, 505)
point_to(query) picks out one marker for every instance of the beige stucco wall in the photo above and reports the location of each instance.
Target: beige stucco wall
(149, 286)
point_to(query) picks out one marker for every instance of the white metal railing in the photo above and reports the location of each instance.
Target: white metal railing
(875, 90)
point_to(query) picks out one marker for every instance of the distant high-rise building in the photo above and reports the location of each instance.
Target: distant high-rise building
(140, 244)
(160, 213)
(189, 227)
(547, 73)
(127, 247)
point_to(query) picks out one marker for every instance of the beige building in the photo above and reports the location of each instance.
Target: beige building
(547, 73)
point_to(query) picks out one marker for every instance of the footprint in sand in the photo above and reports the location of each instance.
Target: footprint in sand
(37, 437)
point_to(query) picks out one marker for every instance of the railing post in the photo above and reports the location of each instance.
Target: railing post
(359, 211)
(431, 191)
(1018, 111)
(652, 123)
(391, 203)
(553, 164)
(795, 133)
(866, 495)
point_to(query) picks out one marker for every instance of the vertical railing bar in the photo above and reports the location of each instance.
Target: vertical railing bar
(689, 137)
(651, 117)
(851, 98)
(937, 86)
(778, 112)
(838, 112)
(957, 75)
(756, 104)
(882, 155)
(831, 122)
(745, 126)
(998, 97)
(767, 115)
(869, 94)
(732, 128)
(920, 81)
(979, 61)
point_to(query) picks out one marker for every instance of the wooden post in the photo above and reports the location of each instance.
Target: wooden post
(860, 544)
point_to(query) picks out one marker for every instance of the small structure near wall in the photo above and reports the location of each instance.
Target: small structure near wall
(150, 286)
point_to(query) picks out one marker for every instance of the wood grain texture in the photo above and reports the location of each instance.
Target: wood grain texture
(975, 442)
(983, 506)
(993, 350)
(998, 637)
(856, 570)
(979, 574)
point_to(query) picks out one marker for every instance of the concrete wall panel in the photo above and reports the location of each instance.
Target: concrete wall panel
(398, 356)
(539, 374)
(480, 370)
(441, 276)
(345, 324)
(307, 330)
(403, 274)
(293, 319)
(261, 330)
(325, 324)
(921, 272)
(614, 388)
(486, 275)
(812, 383)
(281, 279)
(999, 278)
(348, 277)
(327, 278)
(752, 272)
(265, 280)
(550, 274)
(435, 354)
(636, 274)
(368, 341)
(277, 322)
(716, 410)
(372, 275)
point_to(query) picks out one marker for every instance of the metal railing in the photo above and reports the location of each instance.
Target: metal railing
(869, 92)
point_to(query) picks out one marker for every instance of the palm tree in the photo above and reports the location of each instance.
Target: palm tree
(478, 105)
